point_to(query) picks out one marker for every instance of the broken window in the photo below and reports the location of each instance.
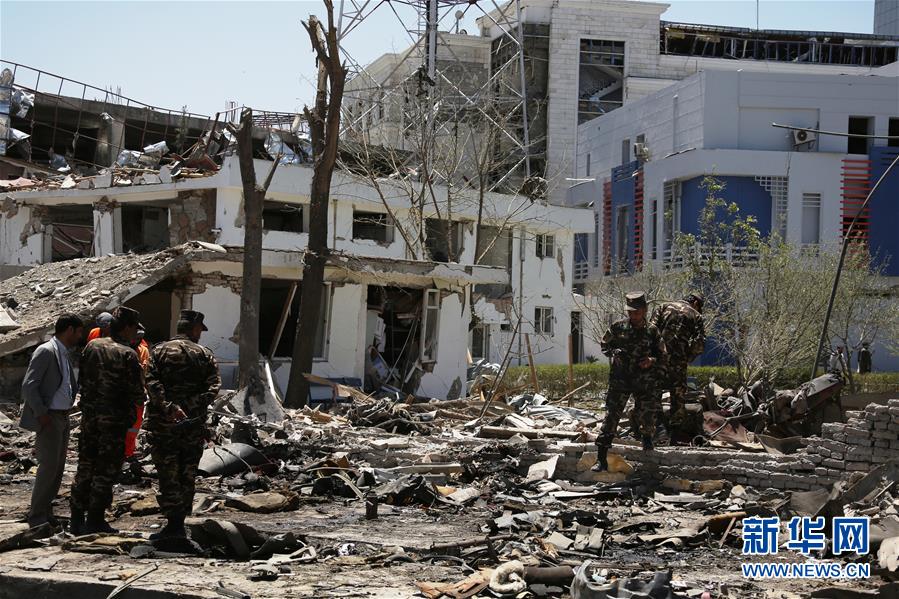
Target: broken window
(479, 342)
(70, 233)
(281, 216)
(278, 296)
(376, 226)
(893, 133)
(858, 126)
(543, 321)
(430, 325)
(443, 240)
(144, 228)
(495, 246)
(601, 77)
(495, 249)
(811, 218)
(546, 246)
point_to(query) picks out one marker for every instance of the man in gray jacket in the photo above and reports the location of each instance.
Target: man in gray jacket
(48, 392)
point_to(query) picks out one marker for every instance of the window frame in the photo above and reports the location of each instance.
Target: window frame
(543, 316)
(428, 353)
(544, 241)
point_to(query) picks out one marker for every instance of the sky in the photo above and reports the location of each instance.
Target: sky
(202, 54)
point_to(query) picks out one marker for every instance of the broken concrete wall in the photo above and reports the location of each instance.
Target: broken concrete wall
(218, 297)
(193, 216)
(449, 375)
(107, 227)
(536, 283)
(21, 233)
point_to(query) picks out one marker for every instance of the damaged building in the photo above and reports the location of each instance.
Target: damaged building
(407, 314)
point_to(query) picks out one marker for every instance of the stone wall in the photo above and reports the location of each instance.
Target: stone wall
(193, 217)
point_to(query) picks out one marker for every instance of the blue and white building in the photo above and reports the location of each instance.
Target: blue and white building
(648, 158)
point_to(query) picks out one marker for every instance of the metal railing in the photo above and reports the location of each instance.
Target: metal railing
(699, 254)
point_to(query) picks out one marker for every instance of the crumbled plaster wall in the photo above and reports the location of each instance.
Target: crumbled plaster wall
(36, 223)
(218, 297)
(193, 217)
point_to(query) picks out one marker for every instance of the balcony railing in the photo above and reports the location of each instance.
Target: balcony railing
(737, 255)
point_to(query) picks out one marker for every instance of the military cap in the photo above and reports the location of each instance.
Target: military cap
(694, 297)
(636, 300)
(127, 316)
(104, 319)
(193, 317)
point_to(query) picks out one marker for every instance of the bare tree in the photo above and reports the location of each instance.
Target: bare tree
(324, 127)
(253, 200)
(866, 308)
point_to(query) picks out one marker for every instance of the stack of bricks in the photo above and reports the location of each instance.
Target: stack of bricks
(868, 438)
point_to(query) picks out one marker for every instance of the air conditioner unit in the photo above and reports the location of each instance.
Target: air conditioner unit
(641, 152)
(802, 137)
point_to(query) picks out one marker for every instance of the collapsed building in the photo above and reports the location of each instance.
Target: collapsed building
(409, 312)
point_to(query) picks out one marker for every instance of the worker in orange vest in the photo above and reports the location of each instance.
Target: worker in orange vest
(143, 355)
(104, 321)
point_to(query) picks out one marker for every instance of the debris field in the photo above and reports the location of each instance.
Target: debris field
(389, 496)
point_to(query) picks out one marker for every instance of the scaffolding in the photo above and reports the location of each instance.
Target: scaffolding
(431, 85)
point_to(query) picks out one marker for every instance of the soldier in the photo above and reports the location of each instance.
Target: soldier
(111, 390)
(182, 381)
(681, 326)
(636, 352)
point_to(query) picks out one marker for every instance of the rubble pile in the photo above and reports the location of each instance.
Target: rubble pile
(479, 498)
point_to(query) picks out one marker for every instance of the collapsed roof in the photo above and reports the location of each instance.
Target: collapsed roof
(86, 287)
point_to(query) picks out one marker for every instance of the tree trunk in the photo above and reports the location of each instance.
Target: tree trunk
(248, 362)
(324, 128)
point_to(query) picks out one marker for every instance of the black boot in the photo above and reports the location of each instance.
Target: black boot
(96, 523)
(647, 443)
(602, 463)
(173, 529)
(76, 523)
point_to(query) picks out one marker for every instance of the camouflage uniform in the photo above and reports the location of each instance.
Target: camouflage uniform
(683, 331)
(626, 345)
(181, 374)
(111, 390)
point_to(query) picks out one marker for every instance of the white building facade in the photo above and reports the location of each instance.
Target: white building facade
(375, 283)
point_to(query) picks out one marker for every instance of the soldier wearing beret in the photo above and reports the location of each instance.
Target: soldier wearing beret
(111, 391)
(636, 353)
(182, 381)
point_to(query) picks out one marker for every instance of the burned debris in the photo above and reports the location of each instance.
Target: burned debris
(474, 498)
